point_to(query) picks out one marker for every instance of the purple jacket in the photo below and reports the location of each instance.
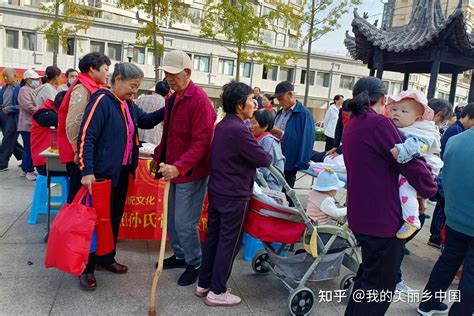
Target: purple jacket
(235, 155)
(373, 202)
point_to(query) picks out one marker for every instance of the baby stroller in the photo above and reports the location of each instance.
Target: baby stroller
(293, 265)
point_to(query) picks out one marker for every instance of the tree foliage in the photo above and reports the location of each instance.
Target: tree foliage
(321, 17)
(158, 13)
(69, 18)
(236, 26)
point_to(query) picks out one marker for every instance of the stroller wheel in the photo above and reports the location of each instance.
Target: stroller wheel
(347, 283)
(301, 301)
(259, 261)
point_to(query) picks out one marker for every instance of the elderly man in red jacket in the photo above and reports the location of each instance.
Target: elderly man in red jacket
(185, 149)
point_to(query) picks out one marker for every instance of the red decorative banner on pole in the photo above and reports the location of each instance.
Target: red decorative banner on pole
(144, 206)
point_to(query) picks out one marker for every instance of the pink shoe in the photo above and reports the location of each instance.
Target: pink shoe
(201, 292)
(224, 299)
(30, 176)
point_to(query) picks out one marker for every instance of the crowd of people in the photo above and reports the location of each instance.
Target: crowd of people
(393, 151)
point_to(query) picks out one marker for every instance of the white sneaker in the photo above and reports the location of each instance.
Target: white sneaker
(30, 176)
(224, 299)
(200, 291)
(402, 287)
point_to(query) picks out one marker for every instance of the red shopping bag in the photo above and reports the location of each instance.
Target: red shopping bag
(70, 237)
(101, 203)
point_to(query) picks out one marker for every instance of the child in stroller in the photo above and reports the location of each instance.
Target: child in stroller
(291, 226)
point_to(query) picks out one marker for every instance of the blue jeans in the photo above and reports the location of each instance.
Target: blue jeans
(184, 212)
(459, 247)
(27, 161)
(8, 123)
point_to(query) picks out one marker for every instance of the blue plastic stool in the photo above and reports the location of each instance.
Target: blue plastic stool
(40, 197)
(252, 245)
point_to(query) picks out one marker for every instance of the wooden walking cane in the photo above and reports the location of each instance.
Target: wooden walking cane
(159, 268)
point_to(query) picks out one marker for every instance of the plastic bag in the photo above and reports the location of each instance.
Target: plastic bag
(101, 203)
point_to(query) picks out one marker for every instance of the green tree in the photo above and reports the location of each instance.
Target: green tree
(236, 26)
(321, 17)
(157, 11)
(68, 19)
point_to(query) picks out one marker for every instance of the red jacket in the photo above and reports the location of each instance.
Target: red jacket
(66, 153)
(40, 135)
(187, 134)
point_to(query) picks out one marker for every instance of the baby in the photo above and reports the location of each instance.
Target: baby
(321, 204)
(410, 112)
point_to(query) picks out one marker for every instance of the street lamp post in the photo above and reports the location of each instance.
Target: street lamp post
(130, 49)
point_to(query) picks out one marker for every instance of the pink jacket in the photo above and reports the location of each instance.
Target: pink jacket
(28, 106)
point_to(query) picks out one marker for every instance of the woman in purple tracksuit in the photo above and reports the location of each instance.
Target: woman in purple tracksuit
(235, 156)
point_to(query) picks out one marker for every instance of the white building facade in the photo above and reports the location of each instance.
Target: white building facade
(23, 47)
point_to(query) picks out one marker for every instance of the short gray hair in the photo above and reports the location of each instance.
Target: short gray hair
(9, 71)
(127, 71)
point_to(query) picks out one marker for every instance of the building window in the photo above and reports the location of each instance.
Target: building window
(270, 72)
(49, 47)
(292, 41)
(286, 74)
(226, 67)
(139, 55)
(201, 63)
(98, 47)
(280, 40)
(195, 16)
(322, 79)
(311, 77)
(114, 51)
(70, 46)
(395, 88)
(268, 37)
(12, 38)
(347, 82)
(245, 69)
(150, 57)
(29, 41)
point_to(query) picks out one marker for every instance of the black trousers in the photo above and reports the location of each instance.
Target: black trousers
(225, 227)
(381, 260)
(459, 247)
(329, 143)
(10, 145)
(438, 221)
(75, 177)
(422, 219)
(290, 178)
(117, 205)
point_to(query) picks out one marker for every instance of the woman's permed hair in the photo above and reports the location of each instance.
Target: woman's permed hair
(233, 94)
(366, 92)
(264, 118)
(93, 60)
(127, 71)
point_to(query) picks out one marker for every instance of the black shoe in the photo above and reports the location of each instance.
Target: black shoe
(406, 251)
(427, 216)
(3, 168)
(189, 276)
(172, 263)
(430, 308)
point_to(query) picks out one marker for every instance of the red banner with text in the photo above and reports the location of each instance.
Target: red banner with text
(142, 218)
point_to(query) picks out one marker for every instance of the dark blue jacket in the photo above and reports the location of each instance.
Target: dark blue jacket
(103, 135)
(12, 108)
(298, 141)
(454, 129)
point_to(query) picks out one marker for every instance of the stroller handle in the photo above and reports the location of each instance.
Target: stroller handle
(289, 190)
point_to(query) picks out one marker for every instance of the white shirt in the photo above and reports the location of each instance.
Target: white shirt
(330, 121)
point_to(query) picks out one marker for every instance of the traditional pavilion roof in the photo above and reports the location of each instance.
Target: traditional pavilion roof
(427, 26)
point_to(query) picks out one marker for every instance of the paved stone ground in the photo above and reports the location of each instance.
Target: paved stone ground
(27, 288)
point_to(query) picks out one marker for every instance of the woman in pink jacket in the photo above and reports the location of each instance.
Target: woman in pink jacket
(28, 106)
